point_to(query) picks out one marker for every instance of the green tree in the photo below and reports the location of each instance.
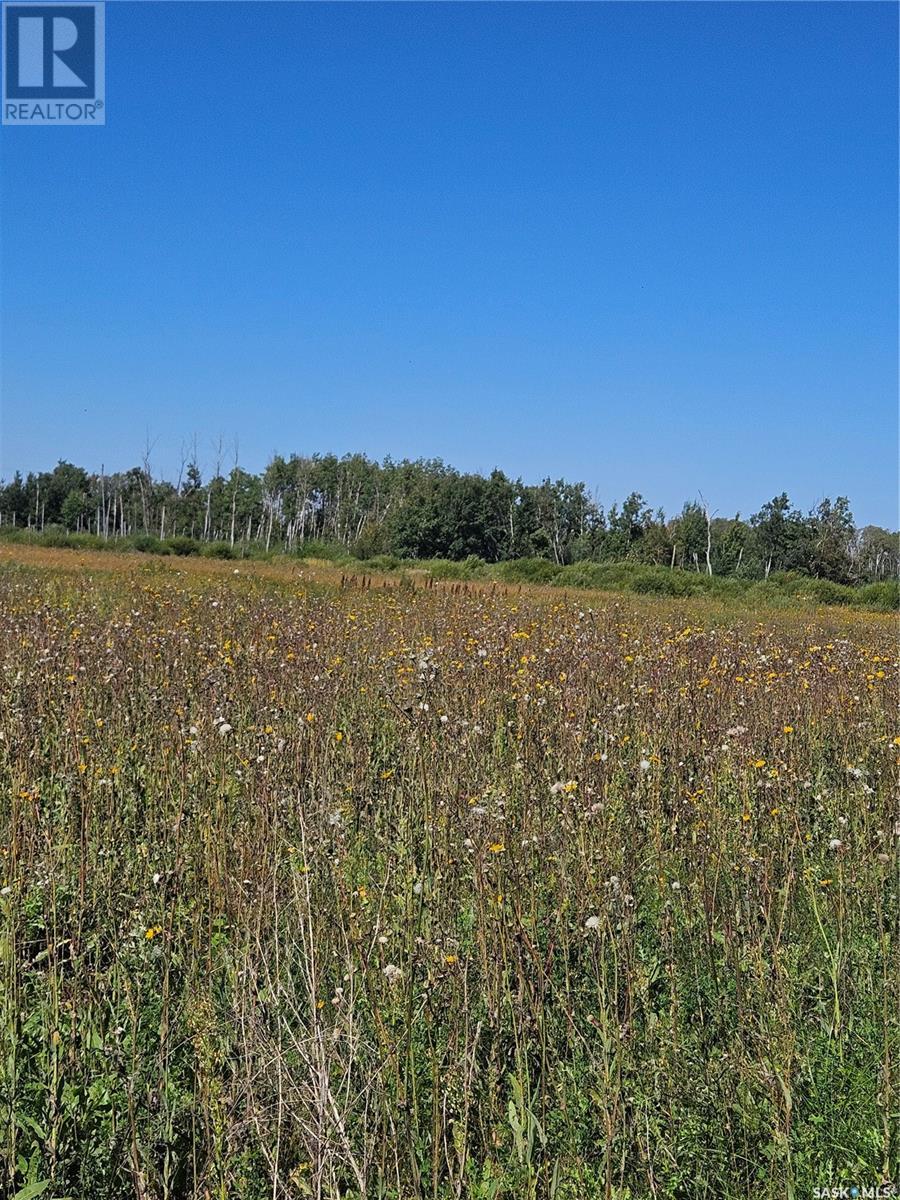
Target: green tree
(831, 529)
(73, 509)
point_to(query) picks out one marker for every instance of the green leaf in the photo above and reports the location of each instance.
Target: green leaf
(28, 1122)
(32, 1189)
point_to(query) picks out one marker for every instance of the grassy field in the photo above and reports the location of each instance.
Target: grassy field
(318, 889)
(784, 589)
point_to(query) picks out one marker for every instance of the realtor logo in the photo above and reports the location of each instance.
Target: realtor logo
(53, 64)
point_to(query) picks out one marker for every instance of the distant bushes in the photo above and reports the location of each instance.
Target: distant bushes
(883, 597)
(527, 570)
(146, 543)
(183, 546)
(141, 543)
(218, 550)
(781, 587)
(655, 583)
(471, 567)
(623, 576)
(879, 597)
(382, 563)
(314, 548)
(629, 577)
(54, 536)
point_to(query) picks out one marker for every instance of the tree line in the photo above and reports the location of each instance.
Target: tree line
(425, 509)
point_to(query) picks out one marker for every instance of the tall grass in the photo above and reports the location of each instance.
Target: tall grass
(318, 891)
(781, 588)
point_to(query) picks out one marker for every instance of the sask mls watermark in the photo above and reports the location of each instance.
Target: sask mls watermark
(856, 1191)
(53, 64)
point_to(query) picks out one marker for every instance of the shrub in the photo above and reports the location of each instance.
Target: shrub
(527, 570)
(610, 576)
(444, 568)
(581, 575)
(183, 546)
(823, 591)
(883, 597)
(314, 548)
(218, 550)
(655, 581)
(382, 563)
(726, 587)
(474, 565)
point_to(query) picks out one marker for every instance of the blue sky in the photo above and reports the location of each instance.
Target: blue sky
(650, 246)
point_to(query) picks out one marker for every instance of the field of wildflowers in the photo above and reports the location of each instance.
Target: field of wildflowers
(311, 888)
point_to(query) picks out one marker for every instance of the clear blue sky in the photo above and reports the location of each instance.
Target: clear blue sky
(652, 246)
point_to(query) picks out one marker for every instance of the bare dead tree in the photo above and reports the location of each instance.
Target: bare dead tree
(217, 471)
(234, 487)
(102, 509)
(709, 516)
(145, 481)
